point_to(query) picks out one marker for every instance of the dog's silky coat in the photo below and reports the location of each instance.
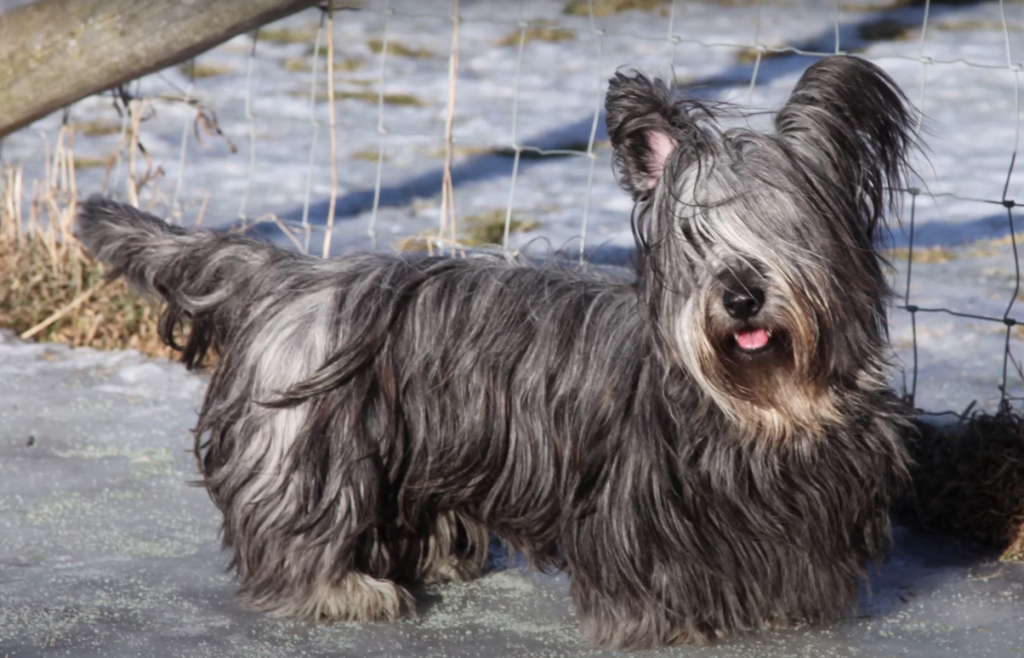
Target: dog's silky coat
(711, 447)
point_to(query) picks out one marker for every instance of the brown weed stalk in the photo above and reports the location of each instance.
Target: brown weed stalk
(50, 290)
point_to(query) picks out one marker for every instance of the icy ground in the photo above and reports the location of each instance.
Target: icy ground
(106, 551)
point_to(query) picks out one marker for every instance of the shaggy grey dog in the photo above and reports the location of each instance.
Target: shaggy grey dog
(709, 448)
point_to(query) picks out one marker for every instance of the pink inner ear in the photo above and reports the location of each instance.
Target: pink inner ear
(661, 146)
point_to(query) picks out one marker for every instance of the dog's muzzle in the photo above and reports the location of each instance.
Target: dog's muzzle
(742, 306)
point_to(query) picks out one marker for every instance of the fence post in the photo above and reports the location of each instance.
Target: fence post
(55, 52)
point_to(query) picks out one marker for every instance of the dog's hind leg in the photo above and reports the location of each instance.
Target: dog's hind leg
(316, 568)
(354, 596)
(306, 580)
(302, 515)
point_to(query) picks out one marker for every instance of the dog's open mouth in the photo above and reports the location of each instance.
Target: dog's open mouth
(753, 339)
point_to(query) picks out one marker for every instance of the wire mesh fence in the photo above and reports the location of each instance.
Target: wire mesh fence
(389, 120)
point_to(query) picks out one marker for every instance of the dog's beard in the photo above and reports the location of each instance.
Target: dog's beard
(766, 373)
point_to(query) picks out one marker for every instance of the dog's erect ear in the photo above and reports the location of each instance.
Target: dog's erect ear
(848, 119)
(646, 127)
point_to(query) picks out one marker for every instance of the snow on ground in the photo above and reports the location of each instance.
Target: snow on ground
(105, 551)
(548, 101)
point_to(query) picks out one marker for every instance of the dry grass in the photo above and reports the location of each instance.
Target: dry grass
(489, 228)
(285, 35)
(97, 127)
(369, 155)
(993, 246)
(977, 26)
(87, 162)
(968, 482)
(305, 65)
(609, 7)
(870, 6)
(464, 150)
(483, 230)
(204, 70)
(934, 254)
(50, 290)
(398, 49)
(538, 31)
(749, 55)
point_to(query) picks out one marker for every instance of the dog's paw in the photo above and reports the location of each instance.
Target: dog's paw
(363, 598)
(358, 597)
(615, 630)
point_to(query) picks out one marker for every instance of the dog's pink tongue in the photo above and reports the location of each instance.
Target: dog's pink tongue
(754, 339)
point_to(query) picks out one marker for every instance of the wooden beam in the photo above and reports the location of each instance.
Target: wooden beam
(55, 52)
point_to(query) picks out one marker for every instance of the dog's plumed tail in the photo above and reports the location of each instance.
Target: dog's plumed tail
(197, 274)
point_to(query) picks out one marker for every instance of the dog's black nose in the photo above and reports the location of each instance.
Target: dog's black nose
(743, 305)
